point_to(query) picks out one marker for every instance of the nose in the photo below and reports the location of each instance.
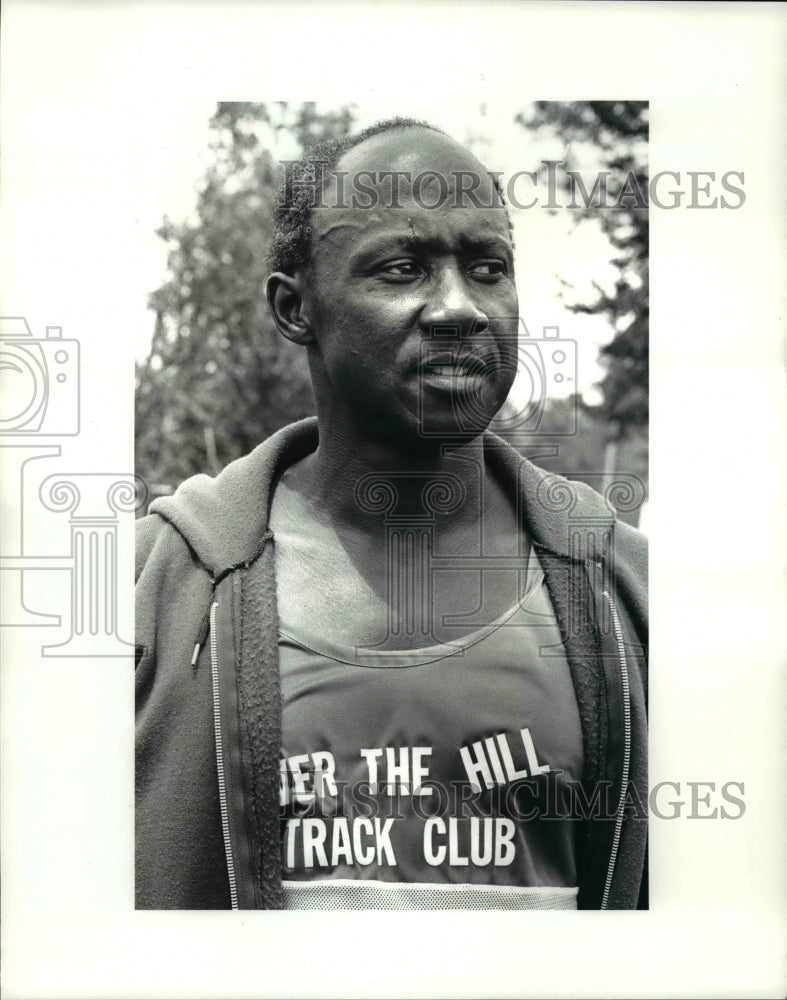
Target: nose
(450, 309)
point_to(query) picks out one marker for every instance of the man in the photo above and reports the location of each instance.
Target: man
(385, 662)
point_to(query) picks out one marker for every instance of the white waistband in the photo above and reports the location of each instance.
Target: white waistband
(352, 894)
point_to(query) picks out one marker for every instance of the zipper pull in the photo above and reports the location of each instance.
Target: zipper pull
(201, 637)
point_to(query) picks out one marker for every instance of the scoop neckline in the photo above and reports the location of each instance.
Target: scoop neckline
(361, 656)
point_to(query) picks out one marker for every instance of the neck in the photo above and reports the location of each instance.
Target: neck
(360, 482)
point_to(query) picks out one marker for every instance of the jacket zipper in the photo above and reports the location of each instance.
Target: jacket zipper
(225, 823)
(626, 748)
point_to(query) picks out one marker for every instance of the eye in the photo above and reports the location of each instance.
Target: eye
(488, 270)
(401, 270)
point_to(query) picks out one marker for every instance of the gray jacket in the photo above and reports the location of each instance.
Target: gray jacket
(209, 705)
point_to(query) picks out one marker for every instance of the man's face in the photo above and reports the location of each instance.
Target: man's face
(414, 309)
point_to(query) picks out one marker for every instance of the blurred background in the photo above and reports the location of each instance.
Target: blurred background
(214, 378)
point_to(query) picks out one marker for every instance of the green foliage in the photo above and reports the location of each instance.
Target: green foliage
(617, 132)
(220, 378)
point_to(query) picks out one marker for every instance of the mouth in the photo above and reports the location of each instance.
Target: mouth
(454, 369)
(454, 362)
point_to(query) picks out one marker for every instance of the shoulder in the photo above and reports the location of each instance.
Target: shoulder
(164, 558)
(155, 540)
(223, 520)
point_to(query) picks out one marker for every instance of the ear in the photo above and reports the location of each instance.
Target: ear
(285, 294)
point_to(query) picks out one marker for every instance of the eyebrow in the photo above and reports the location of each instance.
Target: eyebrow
(410, 241)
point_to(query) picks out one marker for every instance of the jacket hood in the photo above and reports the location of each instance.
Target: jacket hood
(224, 519)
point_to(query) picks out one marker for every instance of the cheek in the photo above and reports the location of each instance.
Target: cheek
(367, 333)
(508, 311)
(506, 332)
(358, 357)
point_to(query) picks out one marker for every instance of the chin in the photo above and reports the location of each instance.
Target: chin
(459, 420)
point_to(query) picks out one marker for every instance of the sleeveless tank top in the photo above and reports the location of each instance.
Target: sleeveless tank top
(434, 777)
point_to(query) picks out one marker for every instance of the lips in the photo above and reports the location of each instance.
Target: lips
(454, 372)
(458, 363)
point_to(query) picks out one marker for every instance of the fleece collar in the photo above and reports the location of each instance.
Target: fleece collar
(225, 519)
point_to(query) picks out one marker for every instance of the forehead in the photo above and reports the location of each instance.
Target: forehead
(440, 192)
(410, 148)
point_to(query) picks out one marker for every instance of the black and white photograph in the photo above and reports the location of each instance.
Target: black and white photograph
(346, 471)
(417, 660)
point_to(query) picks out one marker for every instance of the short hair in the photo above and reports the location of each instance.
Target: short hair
(291, 246)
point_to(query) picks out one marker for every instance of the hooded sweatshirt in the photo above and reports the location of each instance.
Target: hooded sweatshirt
(208, 694)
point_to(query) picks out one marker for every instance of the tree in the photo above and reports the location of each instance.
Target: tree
(220, 378)
(617, 131)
